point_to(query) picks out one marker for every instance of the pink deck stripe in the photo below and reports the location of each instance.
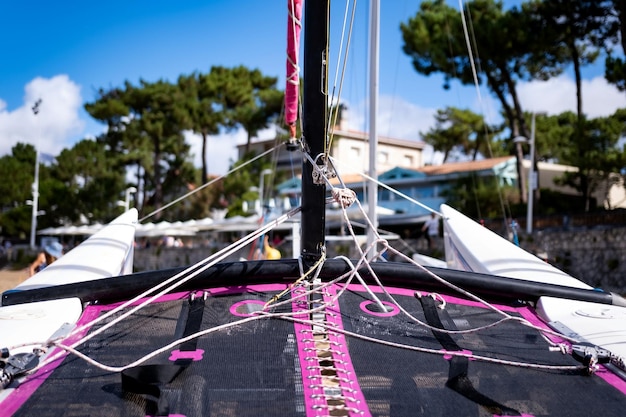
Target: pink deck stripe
(27, 387)
(310, 377)
(352, 388)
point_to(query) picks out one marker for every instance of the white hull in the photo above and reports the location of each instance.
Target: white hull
(108, 253)
(472, 247)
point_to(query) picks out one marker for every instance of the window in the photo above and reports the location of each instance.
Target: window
(383, 157)
(407, 160)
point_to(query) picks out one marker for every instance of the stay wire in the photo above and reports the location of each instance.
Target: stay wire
(203, 186)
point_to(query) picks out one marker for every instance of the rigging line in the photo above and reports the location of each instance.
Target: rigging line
(503, 203)
(479, 69)
(439, 351)
(171, 203)
(332, 121)
(395, 80)
(469, 51)
(291, 286)
(339, 54)
(290, 317)
(364, 260)
(72, 348)
(204, 265)
(218, 256)
(304, 295)
(476, 298)
(488, 133)
(473, 33)
(438, 278)
(435, 276)
(362, 281)
(259, 315)
(393, 190)
(325, 68)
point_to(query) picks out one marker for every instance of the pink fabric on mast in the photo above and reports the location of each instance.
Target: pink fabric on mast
(294, 25)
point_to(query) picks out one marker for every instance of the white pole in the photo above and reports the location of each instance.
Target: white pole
(295, 239)
(33, 220)
(532, 179)
(129, 191)
(372, 196)
(261, 186)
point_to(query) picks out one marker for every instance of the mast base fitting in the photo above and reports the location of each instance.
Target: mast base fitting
(292, 144)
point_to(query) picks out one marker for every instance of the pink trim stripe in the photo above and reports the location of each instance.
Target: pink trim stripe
(354, 395)
(27, 387)
(311, 377)
(527, 313)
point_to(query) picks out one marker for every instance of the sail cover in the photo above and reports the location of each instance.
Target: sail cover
(294, 25)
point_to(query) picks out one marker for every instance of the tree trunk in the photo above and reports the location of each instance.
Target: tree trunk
(158, 185)
(205, 172)
(512, 115)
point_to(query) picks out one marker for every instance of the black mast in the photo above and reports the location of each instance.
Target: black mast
(316, 16)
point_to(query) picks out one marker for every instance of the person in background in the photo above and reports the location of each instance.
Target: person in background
(431, 227)
(8, 249)
(269, 251)
(51, 253)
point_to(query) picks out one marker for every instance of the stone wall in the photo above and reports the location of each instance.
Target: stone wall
(595, 256)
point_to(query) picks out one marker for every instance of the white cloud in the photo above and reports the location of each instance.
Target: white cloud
(397, 118)
(557, 95)
(58, 118)
(61, 119)
(221, 150)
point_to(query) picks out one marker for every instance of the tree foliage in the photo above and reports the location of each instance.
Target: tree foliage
(536, 41)
(615, 66)
(464, 131)
(144, 145)
(596, 153)
(479, 197)
(146, 124)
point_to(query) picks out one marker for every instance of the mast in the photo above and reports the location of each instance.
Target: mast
(314, 109)
(372, 187)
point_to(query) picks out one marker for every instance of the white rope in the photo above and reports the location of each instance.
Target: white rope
(391, 189)
(345, 198)
(335, 104)
(214, 180)
(386, 246)
(175, 281)
(291, 317)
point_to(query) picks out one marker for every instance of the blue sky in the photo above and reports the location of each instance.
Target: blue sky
(63, 52)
